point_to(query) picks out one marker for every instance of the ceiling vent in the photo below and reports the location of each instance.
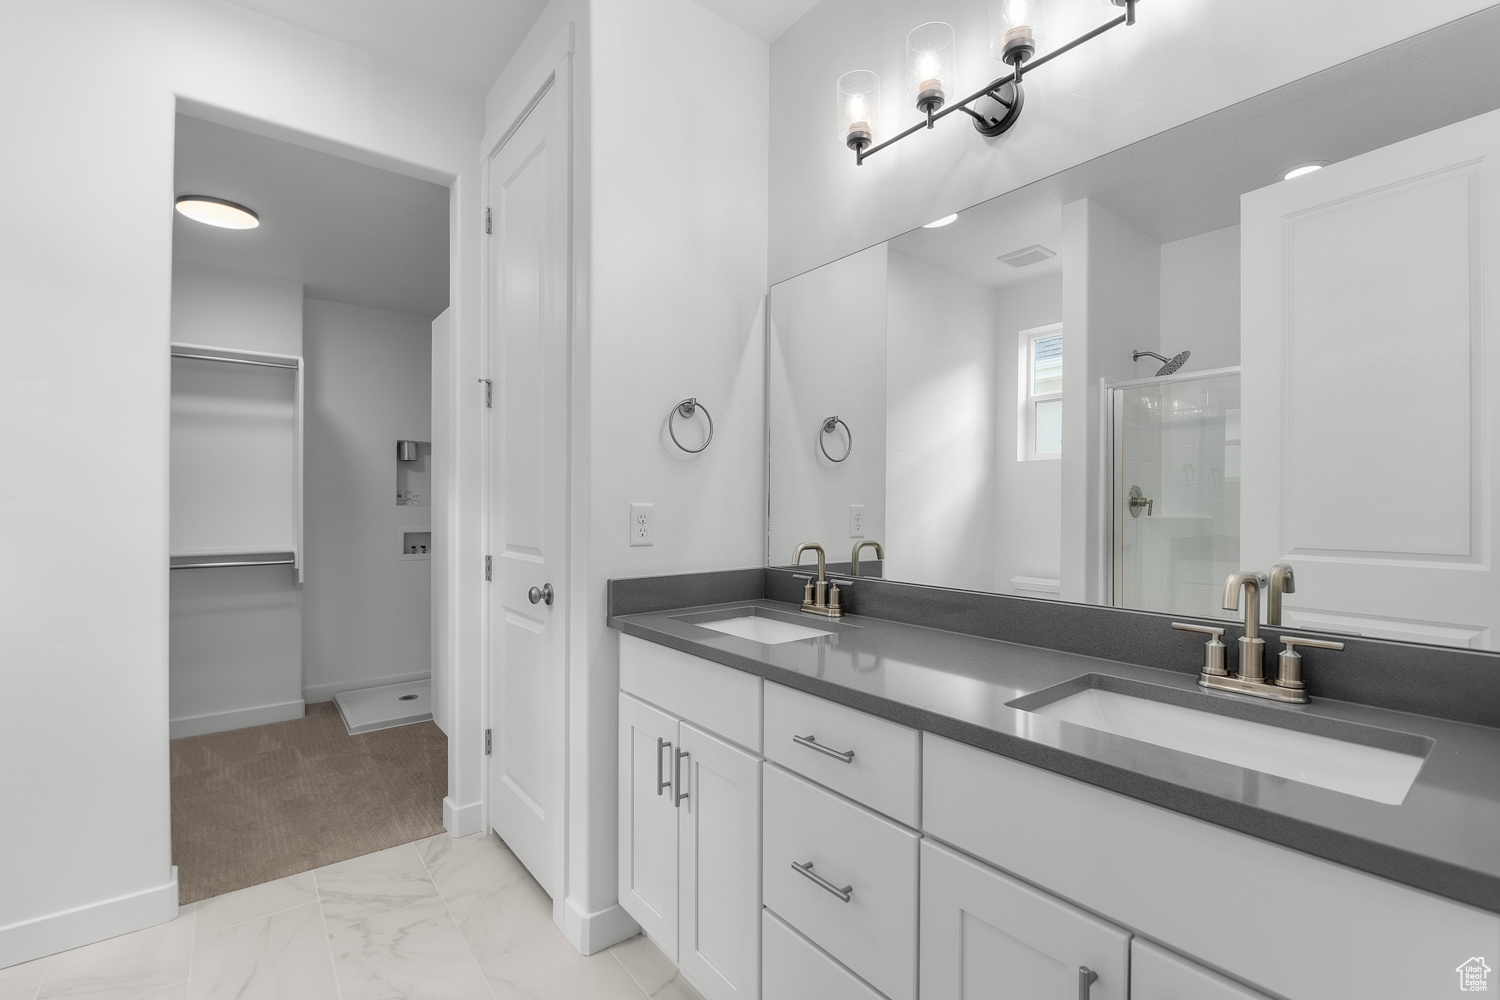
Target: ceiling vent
(1033, 254)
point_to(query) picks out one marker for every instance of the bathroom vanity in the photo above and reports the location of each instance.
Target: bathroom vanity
(866, 808)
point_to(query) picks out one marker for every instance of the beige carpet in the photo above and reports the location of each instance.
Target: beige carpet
(258, 804)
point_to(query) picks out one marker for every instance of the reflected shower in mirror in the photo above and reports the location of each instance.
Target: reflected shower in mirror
(1125, 382)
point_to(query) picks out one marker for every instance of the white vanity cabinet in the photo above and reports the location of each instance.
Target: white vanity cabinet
(1157, 974)
(985, 935)
(690, 824)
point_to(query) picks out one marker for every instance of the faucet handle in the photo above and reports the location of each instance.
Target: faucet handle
(1289, 662)
(1213, 650)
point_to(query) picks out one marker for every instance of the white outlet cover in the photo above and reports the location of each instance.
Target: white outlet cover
(641, 516)
(856, 520)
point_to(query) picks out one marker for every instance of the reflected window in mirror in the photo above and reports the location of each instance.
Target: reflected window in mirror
(1041, 394)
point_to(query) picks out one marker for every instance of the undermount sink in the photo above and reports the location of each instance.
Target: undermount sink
(759, 625)
(1375, 764)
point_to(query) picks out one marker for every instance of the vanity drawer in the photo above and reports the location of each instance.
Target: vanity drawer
(708, 694)
(884, 770)
(793, 968)
(874, 931)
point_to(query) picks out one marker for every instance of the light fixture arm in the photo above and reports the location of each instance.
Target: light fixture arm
(995, 87)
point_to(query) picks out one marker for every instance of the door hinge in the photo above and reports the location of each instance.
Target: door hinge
(489, 392)
(489, 742)
(489, 567)
(489, 223)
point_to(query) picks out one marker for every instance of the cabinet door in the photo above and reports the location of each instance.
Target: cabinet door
(988, 937)
(648, 821)
(1157, 974)
(719, 866)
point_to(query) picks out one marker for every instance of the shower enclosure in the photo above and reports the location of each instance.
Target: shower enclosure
(1176, 491)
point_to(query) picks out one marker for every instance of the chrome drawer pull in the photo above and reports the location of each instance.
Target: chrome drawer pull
(811, 742)
(822, 883)
(661, 784)
(1086, 977)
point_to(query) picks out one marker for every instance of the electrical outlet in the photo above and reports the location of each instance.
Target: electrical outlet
(856, 520)
(640, 523)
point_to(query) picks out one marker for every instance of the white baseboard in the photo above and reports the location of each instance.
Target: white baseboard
(55, 932)
(218, 722)
(591, 933)
(315, 693)
(460, 821)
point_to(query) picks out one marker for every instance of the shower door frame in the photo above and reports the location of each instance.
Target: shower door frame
(1113, 409)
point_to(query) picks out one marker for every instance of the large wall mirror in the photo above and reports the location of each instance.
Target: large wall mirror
(1128, 381)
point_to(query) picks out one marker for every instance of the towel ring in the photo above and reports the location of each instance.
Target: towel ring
(829, 426)
(686, 409)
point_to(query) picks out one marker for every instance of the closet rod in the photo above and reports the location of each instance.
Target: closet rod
(221, 565)
(236, 361)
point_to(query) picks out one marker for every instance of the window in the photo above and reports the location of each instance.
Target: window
(1041, 368)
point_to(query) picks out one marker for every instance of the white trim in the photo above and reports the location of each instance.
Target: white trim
(462, 820)
(591, 933)
(1036, 584)
(313, 694)
(38, 937)
(237, 718)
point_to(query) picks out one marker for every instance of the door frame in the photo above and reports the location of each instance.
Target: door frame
(555, 75)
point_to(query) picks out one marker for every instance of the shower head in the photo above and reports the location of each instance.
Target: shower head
(1171, 364)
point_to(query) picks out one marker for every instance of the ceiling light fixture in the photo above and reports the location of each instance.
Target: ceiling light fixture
(1302, 169)
(217, 212)
(946, 220)
(1015, 28)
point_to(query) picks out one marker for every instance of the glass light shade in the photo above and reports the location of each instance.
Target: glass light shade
(929, 65)
(216, 212)
(859, 101)
(1015, 29)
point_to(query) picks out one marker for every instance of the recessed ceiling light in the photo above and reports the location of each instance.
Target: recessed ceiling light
(944, 221)
(217, 212)
(1303, 168)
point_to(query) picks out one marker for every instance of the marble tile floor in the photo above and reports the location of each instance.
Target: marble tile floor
(440, 919)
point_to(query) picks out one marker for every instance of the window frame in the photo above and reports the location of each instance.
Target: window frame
(1027, 400)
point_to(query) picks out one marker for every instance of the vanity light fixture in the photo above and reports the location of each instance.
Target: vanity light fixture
(946, 220)
(1015, 31)
(1302, 169)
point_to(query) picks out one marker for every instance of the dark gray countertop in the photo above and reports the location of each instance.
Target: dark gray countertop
(1444, 838)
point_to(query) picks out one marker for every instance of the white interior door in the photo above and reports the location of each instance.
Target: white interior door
(528, 481)
(1370, 349)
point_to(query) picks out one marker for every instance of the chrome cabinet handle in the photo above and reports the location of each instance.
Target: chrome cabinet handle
(805, 870)
(661, 786)
(677, 793)
(1086, 977)
(811, 742)
(540, 595)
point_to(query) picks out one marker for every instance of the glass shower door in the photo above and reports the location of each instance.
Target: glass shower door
(1176, 488)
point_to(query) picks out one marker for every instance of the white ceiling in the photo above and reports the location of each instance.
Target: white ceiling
(1188, 180)
(765, 19)
(465, 41)
(347, 231)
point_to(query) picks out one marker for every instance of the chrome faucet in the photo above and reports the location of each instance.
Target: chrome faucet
(822, 601)
(1251, 680)
(1282, 582)
(854, 556)
(1252, 646)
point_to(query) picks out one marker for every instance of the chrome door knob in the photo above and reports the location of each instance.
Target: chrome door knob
(540, 595)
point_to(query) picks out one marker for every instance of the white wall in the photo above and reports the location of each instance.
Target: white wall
(367, 612)
(940, 428)
(827, 356)
(1111, 306)
(1028, 495)
(1200, 301)
(85, 399)
(1184, 59)
(235, 635)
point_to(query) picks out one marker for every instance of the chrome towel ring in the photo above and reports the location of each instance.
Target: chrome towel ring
(686, 409)
(829, 426)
